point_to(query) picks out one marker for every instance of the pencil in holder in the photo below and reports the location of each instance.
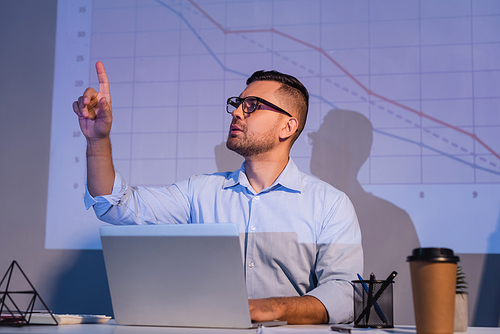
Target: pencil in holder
(373, 303)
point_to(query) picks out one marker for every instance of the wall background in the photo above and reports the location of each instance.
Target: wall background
(68, 281)
(73, 281)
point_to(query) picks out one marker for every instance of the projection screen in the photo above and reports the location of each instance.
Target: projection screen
(426, 74)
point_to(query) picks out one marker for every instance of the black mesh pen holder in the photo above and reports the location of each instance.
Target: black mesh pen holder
(373, 304)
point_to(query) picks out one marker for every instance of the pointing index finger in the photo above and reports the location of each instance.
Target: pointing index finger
(103, 78)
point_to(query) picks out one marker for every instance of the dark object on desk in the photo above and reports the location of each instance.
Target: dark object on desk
(376, 305)
(373, 302)
(341, 329)
(12, 312)
(433, 278)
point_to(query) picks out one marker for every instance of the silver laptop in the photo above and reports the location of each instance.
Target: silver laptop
(188, 275)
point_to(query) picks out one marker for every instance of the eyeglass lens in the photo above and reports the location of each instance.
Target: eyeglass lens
(249, 104)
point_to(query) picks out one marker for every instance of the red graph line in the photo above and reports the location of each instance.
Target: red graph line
(363, 87)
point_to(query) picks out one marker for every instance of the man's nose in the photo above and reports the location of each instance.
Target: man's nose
(238, 112)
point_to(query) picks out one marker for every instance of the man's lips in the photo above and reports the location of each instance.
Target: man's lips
(234, 129)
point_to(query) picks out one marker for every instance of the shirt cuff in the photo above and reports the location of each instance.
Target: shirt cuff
(337, 298)
(119, 186)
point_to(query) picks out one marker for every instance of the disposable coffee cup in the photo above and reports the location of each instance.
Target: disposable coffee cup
(433, 280)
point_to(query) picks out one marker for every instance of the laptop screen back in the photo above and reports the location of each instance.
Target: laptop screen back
(176, 275)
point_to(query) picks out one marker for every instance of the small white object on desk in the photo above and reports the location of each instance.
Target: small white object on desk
(67, 319)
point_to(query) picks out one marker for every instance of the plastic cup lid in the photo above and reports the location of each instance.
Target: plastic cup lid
(433, 254)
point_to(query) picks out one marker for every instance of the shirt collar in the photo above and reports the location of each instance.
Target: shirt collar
(290, 178)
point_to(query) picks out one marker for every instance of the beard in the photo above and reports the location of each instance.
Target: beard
(250, 144)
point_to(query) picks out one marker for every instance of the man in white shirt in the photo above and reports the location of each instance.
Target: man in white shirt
(302, 243)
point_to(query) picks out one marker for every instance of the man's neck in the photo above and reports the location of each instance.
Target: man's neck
(262, 171)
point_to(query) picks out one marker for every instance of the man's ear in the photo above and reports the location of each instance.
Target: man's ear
(289, 129)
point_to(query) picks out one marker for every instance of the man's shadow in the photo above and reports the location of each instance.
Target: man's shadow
(339, 149)
(487, 309)
(225, 159)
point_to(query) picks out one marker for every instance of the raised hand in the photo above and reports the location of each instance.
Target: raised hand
(95, 117)
(94, 108)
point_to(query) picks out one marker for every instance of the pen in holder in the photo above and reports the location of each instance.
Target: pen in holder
(373, 302)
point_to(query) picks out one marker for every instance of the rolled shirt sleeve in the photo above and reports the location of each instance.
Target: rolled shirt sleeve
(339, 259)
(128, 205)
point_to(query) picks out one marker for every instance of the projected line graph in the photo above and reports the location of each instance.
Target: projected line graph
(353, 78)
(391, 112)
(363, 87)
(172, 64)
(368, 91)
(348, 74)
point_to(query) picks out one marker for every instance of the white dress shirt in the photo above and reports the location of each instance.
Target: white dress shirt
(300, 236)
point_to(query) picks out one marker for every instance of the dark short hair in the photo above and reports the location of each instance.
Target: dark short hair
(291, 87)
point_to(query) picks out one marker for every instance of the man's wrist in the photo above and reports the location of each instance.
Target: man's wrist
(295, 310)
(99, 147)
(278, 305)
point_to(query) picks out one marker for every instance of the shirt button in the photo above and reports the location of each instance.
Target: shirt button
(252, 228)
(257, 198)
(251, 265)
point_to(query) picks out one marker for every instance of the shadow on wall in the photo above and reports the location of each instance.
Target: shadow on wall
(340, 147)
(83, 287)
(487, 312)
(226, 159)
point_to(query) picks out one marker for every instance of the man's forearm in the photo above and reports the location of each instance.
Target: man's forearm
(100, 170)
(295, 310)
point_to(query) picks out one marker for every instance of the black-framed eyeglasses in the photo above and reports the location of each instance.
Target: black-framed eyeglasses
(250, 104)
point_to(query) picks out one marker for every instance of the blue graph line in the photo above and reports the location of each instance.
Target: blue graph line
(319, 97)
(201, 40)
(437, 151)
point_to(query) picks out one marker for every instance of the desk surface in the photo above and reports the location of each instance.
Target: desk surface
(111, 327)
